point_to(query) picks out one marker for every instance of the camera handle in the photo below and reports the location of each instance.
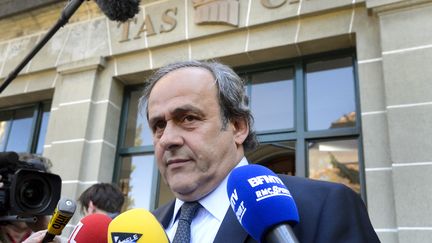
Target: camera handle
(18, 218)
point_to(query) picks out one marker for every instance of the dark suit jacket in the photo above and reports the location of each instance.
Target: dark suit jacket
(329, 212)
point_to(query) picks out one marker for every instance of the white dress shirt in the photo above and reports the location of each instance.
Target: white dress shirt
(209, 217)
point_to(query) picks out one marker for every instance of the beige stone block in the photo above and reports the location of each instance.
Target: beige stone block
(41, 81)
(415, 235)
(275, 10)
(103, 123)
(386, 236)
(71, 122)
(410, 133)
(104, 85)
(66, 159)
(220, 45)
(367, 35)
(17, 50)
(97, 163)
(380, 203)
(209, 28)
(168, 54)
(413, 195)
(407, 77)
(372, 88)
(273, 54)
(326, 44)
(86, 40)
(31, 97)
(416, 32)
(314, 6)
(325, 25)
(48, 56)
(132, 63)
(272, 35)
(82, 85)
(3, 57)
(376, 146)
(17, 86)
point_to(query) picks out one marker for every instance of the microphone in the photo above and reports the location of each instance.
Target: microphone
(119, 10)
(262, 203)
(92, 228)
(136, 225)
(62, 214)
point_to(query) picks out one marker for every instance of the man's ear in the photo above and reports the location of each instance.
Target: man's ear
(241, 130)
(91, 208)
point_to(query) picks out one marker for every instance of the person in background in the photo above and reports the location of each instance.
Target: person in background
(201, 126)
(103, 198)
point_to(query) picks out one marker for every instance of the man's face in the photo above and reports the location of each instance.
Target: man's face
(194, 152)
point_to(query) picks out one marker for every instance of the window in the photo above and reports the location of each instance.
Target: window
(23, 129)
(305, 117)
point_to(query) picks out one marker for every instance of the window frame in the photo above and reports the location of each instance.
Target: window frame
(38, 110)
(299, 133)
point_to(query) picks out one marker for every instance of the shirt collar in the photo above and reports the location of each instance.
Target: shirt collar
(216, 202)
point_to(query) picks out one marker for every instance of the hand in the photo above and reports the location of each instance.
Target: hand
(37, 237)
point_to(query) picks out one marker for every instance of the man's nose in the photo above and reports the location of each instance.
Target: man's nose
(171, 137)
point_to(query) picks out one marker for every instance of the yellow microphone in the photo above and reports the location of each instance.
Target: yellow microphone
(62, 214)
(136, 226)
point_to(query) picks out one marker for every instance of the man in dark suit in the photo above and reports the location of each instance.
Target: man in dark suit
(201, 126)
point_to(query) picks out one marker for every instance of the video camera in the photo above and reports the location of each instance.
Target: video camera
(28, 191)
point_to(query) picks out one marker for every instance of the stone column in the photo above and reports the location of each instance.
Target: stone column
(406, 42)
(84, 122)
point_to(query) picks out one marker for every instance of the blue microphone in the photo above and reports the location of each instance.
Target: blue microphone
(262, 203)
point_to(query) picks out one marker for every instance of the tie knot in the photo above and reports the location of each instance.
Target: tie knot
(188, 211)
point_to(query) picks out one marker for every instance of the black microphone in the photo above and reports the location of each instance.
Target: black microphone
(262, 203)
(118, 10)
(62, 214)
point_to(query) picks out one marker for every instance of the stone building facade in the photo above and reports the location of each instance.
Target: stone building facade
(85, 70)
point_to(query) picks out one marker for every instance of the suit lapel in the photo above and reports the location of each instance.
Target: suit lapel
(230, 230)
(164, 214)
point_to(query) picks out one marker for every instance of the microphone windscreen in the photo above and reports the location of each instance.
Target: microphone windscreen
(136, 225)
(260, 200)
(92, 228)
(119, 10)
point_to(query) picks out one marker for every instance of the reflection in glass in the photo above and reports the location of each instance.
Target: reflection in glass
(138, 181)
(335, 161)
(137, 130)
(330, 94)
(277, 156)
(272, 99)
(20, 131)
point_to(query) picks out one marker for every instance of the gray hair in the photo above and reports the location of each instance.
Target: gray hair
(231, 94)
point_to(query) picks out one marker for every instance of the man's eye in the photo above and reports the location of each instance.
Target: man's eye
(189, 118)
(158, 126)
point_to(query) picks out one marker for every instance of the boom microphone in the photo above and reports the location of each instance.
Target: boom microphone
(92, 228)
(262, 203)
(119, 10)
(62, 214)
(136, 226)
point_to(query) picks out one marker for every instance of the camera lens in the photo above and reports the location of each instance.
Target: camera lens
(33, 193)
